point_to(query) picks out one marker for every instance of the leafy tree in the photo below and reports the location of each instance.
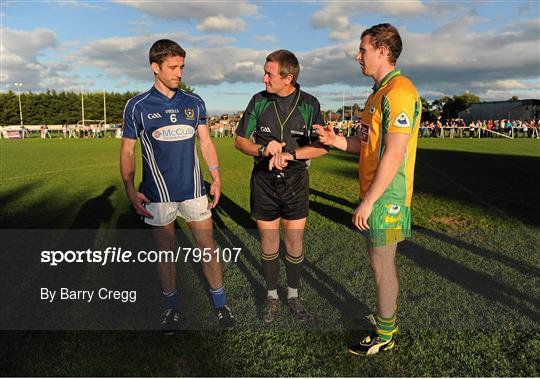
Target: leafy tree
(427, 110)
(456, 104)
(186, 88)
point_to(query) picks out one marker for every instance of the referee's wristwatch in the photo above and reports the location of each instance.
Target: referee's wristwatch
(261, 150)
(293, 153)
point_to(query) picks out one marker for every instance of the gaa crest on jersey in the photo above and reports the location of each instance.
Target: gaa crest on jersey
(190, 113)
(402, 121)
(364, 132)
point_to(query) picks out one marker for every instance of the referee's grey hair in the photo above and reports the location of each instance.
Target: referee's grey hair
(288, 63)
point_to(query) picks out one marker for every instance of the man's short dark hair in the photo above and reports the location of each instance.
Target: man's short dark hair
(288, 63)
(385, 35)
(165, 48)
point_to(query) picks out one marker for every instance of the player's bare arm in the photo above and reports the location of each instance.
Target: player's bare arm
(394, 152)
(328, 137)
(249, 147)
(209, 153)
(127, 171)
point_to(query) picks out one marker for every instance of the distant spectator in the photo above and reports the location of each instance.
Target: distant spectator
(46, 133)
(71, 131)
(453, 126)
(24, 132)
(472, 127)
(509, 127)
(438, 129)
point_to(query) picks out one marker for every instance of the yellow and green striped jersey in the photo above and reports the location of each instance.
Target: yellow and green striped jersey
(393, 107)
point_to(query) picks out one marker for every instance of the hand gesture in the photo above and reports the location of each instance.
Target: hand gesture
(279, 161)
(273, 148)
(326, 134)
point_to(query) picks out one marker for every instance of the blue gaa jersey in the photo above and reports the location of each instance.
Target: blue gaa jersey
(166, 128)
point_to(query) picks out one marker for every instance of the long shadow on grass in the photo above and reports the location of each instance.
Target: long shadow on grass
(226, 239)
(332, 198)
(522, 267)
(504, 184)
(95, 211)
(349, 307)
(326, 286)
(45, 212)
(82, 235)
(32, 274)
(501, 182)
(480, 283)
(8, 199)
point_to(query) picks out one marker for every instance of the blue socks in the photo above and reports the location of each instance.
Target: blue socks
(218, 297)
(172, 300)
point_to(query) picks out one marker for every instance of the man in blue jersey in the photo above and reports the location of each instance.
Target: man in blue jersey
(166, 119)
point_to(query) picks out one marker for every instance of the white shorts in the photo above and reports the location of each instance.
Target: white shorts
(190, 210)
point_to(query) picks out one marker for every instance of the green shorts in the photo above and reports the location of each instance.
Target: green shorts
(388, 224)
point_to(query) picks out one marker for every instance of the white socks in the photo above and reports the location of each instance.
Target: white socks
(272, 294)
(291, 292)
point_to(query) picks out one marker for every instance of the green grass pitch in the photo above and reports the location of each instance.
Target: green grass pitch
(469, 277)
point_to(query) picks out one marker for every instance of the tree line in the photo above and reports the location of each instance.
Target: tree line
(54, 108)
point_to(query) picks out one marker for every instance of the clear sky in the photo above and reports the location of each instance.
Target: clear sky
(490, 48)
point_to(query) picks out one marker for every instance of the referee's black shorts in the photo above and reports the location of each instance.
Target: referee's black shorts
(278, 194)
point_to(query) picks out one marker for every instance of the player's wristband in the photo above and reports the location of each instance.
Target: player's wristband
(293, 153)
(212, 168)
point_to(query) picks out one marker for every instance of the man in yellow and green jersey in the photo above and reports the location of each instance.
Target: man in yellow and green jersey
(386, 145)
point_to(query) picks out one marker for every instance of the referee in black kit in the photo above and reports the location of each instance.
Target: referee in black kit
(276, 130)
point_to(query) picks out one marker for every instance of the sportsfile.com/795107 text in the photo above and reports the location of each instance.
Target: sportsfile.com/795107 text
(118, 255)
